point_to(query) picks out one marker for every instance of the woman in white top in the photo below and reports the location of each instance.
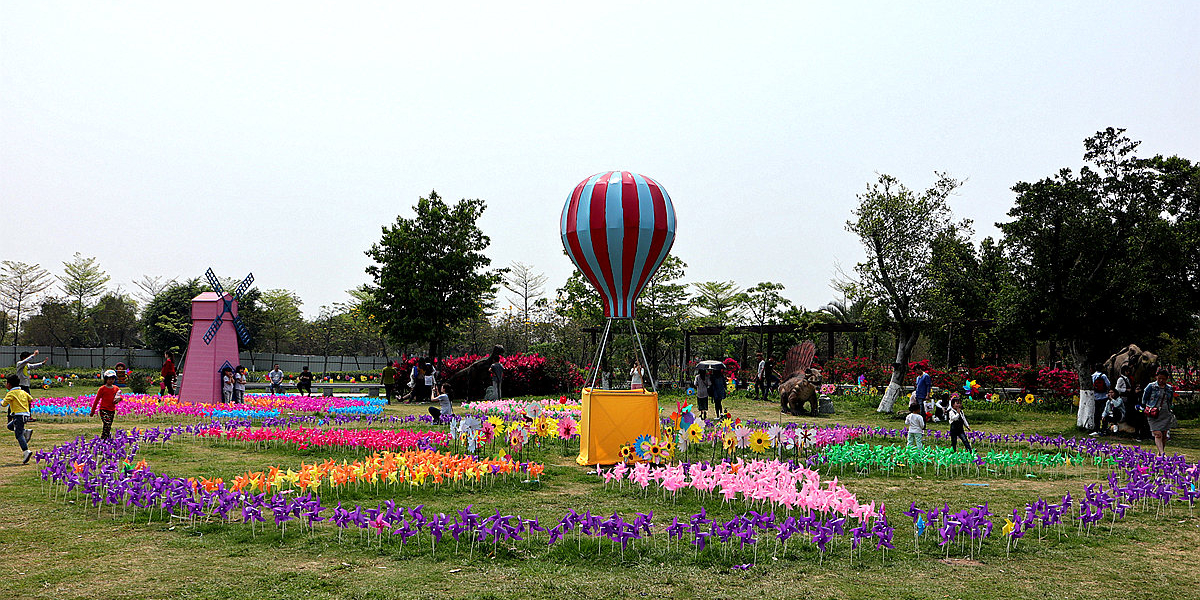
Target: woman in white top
(635, 376)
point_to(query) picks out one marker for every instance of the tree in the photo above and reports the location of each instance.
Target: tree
(114, 321)
(896, 227)
(82, 282)
(150, 287)
(662, 311)
(167, 320)
(431, 272)
(527, 286)
(53, 325)
(720, 302)
(765, 305)
(281, 317)
(20, 283)
(1105, 257)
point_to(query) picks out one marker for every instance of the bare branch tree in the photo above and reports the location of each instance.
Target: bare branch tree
(19, 284)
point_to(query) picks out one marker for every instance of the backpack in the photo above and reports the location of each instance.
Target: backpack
(1100, 385)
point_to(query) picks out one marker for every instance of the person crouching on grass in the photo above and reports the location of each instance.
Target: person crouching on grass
(106, 400)
(18, 402)
(916, 425)
(445, 406)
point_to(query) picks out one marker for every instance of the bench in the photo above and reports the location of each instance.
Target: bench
(326, 387)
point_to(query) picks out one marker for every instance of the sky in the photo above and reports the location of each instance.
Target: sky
(278, 138)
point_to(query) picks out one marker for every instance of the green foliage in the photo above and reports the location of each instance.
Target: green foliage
(281, 318)
(54, 325)
(167, 320)
(114, 321)
(82, 282)
(430, 273)
(719, 303)
(897, 228)
(1107, 256)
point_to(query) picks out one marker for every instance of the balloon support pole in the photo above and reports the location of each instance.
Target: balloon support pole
(611, 418)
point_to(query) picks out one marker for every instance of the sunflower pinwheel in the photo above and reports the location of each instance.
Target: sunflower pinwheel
(759, 441)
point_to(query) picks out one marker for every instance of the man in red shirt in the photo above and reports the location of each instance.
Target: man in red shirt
(168, 373)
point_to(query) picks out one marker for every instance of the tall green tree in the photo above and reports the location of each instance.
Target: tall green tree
(719, 303)
(897, 227)
(764, 304)
(662, 313)
(1104, 257)
(53, 325)
(82, 282)
(431, 273)
(281, 318)
(20, 283)
(114, 321)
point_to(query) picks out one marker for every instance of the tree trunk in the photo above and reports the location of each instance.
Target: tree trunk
(905, 340)
(1086, 414)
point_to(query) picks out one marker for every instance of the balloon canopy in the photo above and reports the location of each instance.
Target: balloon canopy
(617, 228)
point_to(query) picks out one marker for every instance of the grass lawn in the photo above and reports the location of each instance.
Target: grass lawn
(62, 549)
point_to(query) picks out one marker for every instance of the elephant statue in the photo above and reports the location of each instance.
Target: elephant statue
(471, 382)
(1142, 364)
(798, 390)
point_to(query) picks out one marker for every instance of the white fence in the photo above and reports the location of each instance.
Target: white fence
(140, 358)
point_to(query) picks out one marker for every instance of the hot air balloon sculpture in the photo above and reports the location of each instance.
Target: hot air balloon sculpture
(617, 227)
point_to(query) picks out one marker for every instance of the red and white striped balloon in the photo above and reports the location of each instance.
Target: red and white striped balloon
(617, 228)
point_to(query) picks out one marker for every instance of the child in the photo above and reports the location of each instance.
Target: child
(25, 365)
(239, 384)
(18, 402)
(227, 385)
(445, 406)
(916, 425)
(958, 422)
(106, 400)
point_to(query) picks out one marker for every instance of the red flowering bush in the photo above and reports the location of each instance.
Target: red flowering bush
(1059, 382)
(524, 374)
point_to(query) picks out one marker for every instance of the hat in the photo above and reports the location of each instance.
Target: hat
(110, 373)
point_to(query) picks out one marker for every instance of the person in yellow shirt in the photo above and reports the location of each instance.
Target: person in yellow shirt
(18, 402)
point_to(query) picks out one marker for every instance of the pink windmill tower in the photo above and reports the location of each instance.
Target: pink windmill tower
(212, 347)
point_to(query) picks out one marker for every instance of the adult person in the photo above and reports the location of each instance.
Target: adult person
(275, 376)
(388, 377)
(1101, 390)
(923, 387)
(1156, 402)
(701, 383)
(760, 377)
(168, 373)
(431, 379)
(304, 381)
(716, 390)
(635, 375)
(497, 372)
(25, 365)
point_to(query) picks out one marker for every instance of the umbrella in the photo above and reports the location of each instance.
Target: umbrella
(710, 365)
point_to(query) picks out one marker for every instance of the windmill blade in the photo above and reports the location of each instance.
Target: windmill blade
(212, 330)
(212, 280)
(243, 333)
(243, 286)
